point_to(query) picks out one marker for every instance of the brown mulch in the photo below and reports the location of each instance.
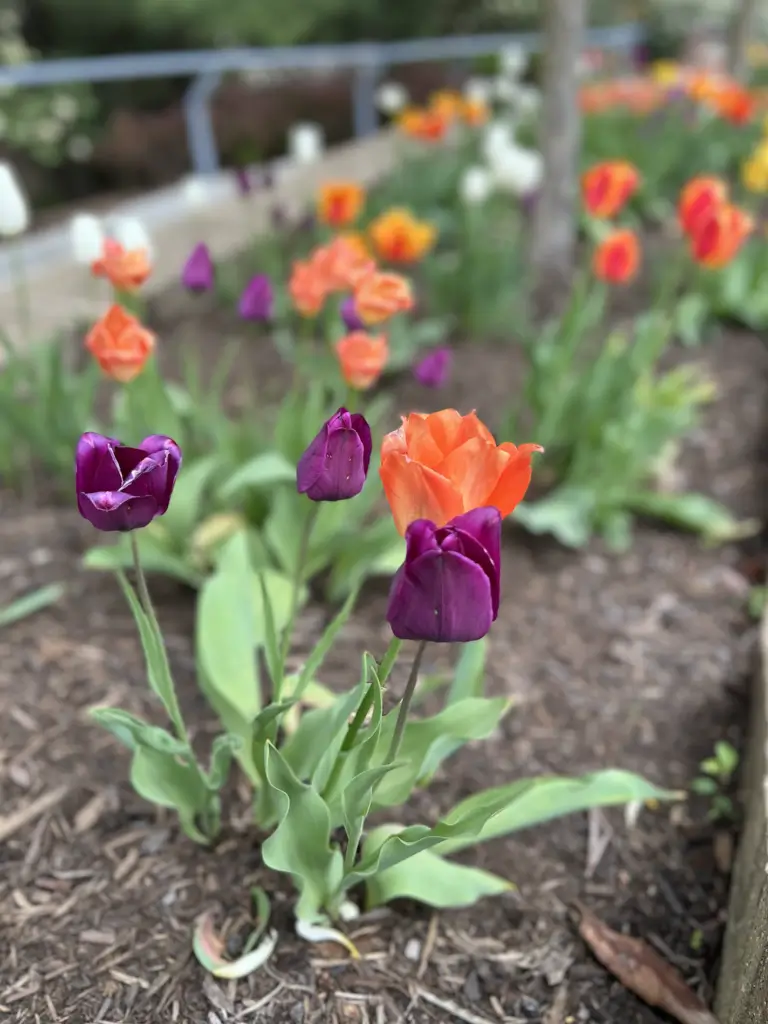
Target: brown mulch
(638, 661)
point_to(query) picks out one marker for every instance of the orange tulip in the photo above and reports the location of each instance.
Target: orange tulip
(426, 125)
(308, 288)
(362, 358)
(341, 264)
(126, 270)
(358, 244)
(399, 237)
(617, 257)
(447, 103)
(340, 203)
(698, 198)
(720, 234)
(379, 296)
(120, 345)
(606, 187)
(475, 113)
(439, 465)
(734, 103)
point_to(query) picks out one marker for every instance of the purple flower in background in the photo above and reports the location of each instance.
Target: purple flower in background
(335, 464)
(434, 369)
(243, 180)
(529, 201)
(447, 590)
(279, 217)
(641, 56)
(257, 299)
(349, 315)
(123, 488)
(198, 271)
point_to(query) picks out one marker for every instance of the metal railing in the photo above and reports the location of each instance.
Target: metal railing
(368, 61)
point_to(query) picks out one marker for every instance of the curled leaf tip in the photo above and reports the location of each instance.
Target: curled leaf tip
(313, 932)
(209, 948)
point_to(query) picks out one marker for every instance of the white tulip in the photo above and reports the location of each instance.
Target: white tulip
(131, 234)
(528, 100)
(479, 90)
(87, 237)
(476, 185)
(305, 142)
(517, 170)
(497, 135)
(513, 61)
(391, 97)
(507, 90)
(14, 208)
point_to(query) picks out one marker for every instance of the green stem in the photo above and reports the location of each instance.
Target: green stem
(405, 704)
(21, 288)
(298, 578)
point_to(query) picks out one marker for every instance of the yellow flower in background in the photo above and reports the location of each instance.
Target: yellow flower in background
(399, 237)
(765, 126)
(666, 72)
(754, 175)
(757, 54)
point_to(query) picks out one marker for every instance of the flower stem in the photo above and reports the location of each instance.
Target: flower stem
(298, 578)
(405, 704)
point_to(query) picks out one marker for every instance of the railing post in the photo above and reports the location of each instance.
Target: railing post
(365, 118)
(201, 137)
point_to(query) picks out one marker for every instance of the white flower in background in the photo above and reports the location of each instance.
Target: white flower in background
(49, 132)
(65, 107)
(507, 90)
(14, 208)
(513, 61)
(528, 100)
(130, 233)
(87, 237)
(305, 142)
(517, 170)
(476, 185)
(496, 135)
(391, 97)
(195, 190)
(79, 148)
(479, 90)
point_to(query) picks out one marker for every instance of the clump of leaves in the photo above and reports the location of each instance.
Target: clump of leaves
(715, 779)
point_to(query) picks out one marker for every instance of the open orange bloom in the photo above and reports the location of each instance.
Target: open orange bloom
(720, 234)
(617, 257)
(698, 198)
(427, 125)
(607, 186)
(120, 345)
(439, 465)
(399, 237)
(308, 287)
(379, 296)
(341, 264)
(734, 103)
(126, 270)
(362, 358)
(358, 244)
(340, 203)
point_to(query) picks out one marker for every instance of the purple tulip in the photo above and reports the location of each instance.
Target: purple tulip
(335, 464)
(434, 369)
(257, 299)
(349, 315)
(122, 488)
(447, 590)
(198, 271)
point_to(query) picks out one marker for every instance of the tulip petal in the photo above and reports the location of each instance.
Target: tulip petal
(442, 597)
(96, 467)
(417, 492)
(484, 526)
(515, 478)
(474, 469)
(128, 459)
(420, 538)
(157, 444)
(112, 511)
(359, 424)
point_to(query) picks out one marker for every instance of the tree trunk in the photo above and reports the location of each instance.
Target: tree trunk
(741, 29)
(554, 232)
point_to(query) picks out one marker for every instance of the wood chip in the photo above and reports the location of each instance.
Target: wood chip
(18, 819)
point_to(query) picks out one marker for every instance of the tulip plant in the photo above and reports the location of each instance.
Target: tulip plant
(318, 775)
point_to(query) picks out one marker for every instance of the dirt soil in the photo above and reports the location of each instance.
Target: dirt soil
(639, 661)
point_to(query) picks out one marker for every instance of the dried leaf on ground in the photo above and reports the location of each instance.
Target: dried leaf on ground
(640, 969)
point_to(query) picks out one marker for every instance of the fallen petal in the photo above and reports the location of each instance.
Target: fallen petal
(208, 949)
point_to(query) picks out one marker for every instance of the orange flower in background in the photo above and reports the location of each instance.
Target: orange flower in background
(439, 465)
(607, 187)
(399, 237)
(308, 287)
(734, 103)
(617, 257)
(120, 345)
(356, 241)
(447, 103)
(719, 235)
(126, 270)
(342, 263)
(426, 125)
(340, 203)
(698, 198)
(475, 113)
(362, 358)
(379, 296)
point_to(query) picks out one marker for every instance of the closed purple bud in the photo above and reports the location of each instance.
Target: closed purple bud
(257, 299)
(198, 271)
(349, 315)
(335, 464)
(434, 369)
(447, 590)
(123, 488)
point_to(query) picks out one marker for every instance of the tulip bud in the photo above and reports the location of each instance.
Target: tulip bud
(335, 464)
(257, 299)
(14, 209)
(87, 237)
(305, 142)
(121, 488)
(198, 272)
(447, 590)
(434, 369)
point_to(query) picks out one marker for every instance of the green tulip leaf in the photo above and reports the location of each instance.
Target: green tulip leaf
(155, 557)
(164, 780)
(319, 736)
(696, 512)
(185, 509)
(266, 470)
(223, 751)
